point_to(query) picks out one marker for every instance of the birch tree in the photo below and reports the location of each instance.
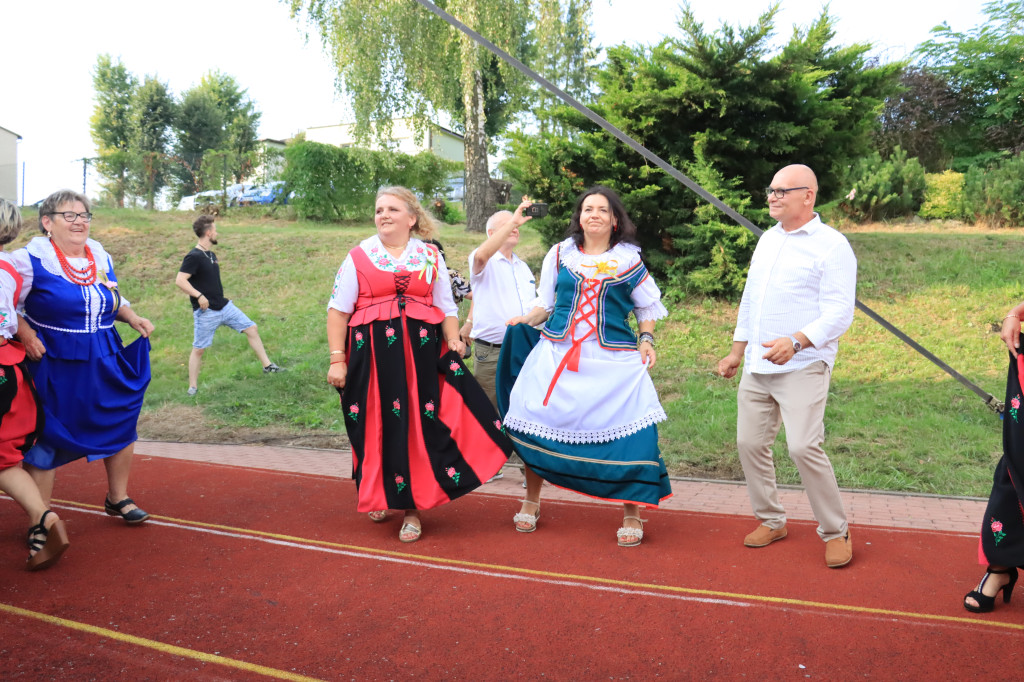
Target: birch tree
(394, 59)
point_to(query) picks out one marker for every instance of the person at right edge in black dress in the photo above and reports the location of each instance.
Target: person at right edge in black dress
(1002, 530)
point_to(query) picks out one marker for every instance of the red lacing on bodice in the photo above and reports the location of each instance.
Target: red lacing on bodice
(586, 313)
(402, 279)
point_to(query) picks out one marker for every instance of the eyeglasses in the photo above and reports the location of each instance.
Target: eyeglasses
(71, 216)
(780, 192)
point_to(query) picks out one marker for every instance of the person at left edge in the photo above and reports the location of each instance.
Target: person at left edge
(90, 385)
(422, 430)
(21, 419)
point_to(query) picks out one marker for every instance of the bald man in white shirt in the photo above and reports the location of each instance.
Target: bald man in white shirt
(798, 300)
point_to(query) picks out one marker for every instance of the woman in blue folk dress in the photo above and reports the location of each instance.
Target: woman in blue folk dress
(583, 409)
(90, 385)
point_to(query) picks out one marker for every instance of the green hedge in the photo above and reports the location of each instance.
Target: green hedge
(943, 196)
(995, 195)
(335, 183)
(884, 188)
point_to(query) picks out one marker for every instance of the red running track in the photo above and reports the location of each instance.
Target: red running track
(252, 574)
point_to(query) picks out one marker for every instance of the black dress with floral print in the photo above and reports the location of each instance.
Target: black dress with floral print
(1002, 532)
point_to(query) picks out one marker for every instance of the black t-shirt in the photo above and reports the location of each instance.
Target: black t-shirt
(204, 275)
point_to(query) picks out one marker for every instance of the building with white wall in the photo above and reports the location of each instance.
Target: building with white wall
(443, 142)
(9, 164)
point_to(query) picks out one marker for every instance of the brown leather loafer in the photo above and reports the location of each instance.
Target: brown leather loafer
(764, 536)
(838, 551)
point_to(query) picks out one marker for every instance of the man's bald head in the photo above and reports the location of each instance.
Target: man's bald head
(797, 175)
(796, 207)
(497, 220)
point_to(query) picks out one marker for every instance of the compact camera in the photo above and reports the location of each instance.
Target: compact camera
(536, 210)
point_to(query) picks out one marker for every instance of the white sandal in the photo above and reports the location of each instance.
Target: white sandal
(410, 533)
(623, 533)
(528, 520)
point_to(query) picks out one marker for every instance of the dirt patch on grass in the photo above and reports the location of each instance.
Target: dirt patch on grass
(917, 226)
(188, 424)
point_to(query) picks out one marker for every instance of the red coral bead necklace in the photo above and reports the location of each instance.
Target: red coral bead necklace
(84, 276)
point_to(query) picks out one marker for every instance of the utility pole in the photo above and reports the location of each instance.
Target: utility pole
(85, 170)
(224, 186)
(22, 183)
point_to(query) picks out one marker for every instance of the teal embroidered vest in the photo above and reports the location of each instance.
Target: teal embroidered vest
(612, 300)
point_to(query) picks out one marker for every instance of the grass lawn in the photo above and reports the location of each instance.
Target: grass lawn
(894, 421)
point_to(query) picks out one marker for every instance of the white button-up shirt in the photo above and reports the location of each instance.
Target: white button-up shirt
(504, 289)
(799, 281)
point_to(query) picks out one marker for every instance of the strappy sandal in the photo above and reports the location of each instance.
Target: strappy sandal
(527, 523)
(378, 515)
(46, 544)
(410, 533)
(630, 537)
(985, 602)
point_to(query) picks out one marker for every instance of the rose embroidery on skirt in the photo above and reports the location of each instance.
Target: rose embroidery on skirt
(389, 332)
(423, 337)
(3, 376)
(359, 340)
(396, 407)
(997, 530)
(428, 410)
(453, 474)
(455, 368)
(353, 412)
(399, 483)
(1014, 406)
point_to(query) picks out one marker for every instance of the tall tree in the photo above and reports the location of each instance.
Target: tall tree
(985, 68)
(924, 118)
(111, 124)
(153, 115)
(727, 110)
(565, 54)
(241, 121)
(199, 127)
(397, 59)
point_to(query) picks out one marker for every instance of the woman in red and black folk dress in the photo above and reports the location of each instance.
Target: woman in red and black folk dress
(422, 430)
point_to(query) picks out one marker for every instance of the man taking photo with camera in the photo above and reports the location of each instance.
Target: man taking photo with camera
(503, 288)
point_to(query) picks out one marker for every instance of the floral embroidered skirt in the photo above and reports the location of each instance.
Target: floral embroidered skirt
(1002, 531)
(422, 430)
(21, 419)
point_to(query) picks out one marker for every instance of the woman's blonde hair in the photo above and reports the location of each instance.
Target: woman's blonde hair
(10, 222)
(425, 227)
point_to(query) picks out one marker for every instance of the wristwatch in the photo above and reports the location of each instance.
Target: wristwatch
(797, 346)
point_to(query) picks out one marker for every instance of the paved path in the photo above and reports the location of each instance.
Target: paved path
(890, 510)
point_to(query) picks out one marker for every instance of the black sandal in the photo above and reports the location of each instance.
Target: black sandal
(985, 602)
(132, 518)
(47, 543)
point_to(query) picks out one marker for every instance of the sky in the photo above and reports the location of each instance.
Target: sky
(49, 49)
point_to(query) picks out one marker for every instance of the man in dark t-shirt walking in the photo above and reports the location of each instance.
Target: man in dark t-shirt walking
(200, 279)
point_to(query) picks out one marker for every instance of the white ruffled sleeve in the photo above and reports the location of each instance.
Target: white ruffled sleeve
(647, 301)
(546, 289)
(443, 290)
(346, 288)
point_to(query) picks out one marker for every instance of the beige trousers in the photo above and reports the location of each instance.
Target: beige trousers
(797, 400)
(485, 369)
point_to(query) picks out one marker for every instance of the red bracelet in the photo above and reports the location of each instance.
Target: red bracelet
(334, 362)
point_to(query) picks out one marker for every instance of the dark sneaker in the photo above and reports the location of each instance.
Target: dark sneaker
(272, 368)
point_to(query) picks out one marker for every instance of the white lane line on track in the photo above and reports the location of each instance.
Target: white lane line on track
(779, 604)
